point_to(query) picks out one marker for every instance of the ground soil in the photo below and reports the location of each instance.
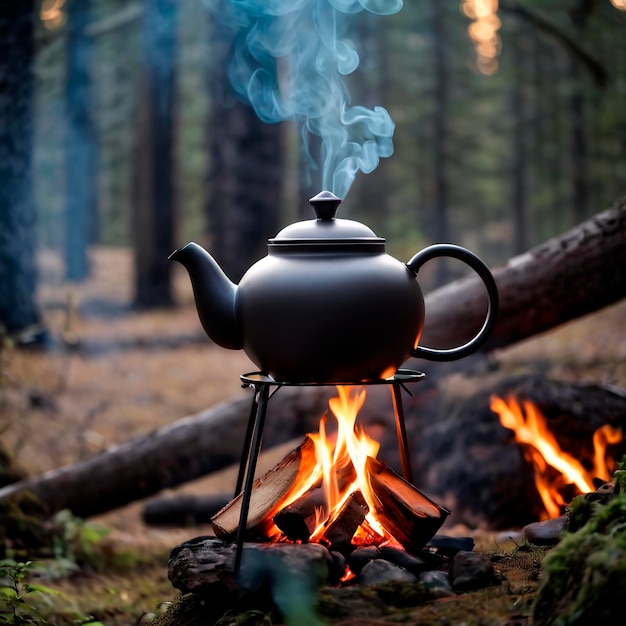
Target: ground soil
(112, 373)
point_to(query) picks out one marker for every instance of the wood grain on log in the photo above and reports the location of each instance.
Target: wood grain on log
(268, 493)
(341, 529)
(404, 511)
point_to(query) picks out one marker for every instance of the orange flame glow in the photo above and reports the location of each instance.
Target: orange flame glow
(543, 450)
(341, 464)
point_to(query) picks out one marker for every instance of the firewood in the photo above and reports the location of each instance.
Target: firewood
(268, 493)
(341, 529)
(404, 511)
(299, 519)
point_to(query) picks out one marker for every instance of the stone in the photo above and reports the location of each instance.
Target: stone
(381, 571)
(271, 562)
(361, 557)
(438, 583)
(401, 557)
(547, 532)
(202, 563)
(470, 570)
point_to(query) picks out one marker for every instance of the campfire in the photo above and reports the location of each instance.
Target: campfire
(556, 471)
(333, 490)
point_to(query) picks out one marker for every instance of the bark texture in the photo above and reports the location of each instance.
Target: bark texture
(558, 281)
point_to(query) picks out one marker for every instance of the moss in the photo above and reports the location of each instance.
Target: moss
(584, 574)
(619, 478)
(580, 512)
(195, 610)
(403, 594)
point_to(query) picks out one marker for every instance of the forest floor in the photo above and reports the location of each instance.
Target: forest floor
(113, 373)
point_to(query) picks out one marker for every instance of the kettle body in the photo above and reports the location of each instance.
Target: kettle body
(327, 304)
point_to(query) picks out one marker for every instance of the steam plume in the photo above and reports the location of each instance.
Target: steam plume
(289, 60)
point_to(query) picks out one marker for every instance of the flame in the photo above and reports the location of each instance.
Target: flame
(543, 450)
(340, 464)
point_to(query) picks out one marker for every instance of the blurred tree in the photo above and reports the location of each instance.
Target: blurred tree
(519, 156)
(18, 274)
(579, 199)
(80, 145)
(154, 205)
(245, 174)
(441, 228)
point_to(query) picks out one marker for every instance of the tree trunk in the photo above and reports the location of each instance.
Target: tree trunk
(245, 172)
(519, 184)
(441, 228)
(18, 273)
(154, 219)
(566, 277)
(80, 166)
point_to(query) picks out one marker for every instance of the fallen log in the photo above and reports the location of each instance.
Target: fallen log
(189, 509)
(188, 449)
(569, 276)
(564, 278)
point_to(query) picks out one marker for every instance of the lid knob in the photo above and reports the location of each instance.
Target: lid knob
(325, 205)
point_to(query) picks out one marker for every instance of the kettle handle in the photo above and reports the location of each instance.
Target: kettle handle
(457, 252)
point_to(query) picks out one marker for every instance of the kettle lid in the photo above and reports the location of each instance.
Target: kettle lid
(326, 229)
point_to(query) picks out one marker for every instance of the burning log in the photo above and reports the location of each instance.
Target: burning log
(341, 529)
(299, 519)
(268, 492)
(405, 512)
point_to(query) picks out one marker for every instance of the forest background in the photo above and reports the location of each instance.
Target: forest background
(122, 139)
(510, 127)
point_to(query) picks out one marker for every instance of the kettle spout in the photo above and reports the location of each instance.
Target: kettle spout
(214, 293)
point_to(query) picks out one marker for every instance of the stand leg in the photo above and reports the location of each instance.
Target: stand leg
(245, 454)
(403, 446)
(257, 435)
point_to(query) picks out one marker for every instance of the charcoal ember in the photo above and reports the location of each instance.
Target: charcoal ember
(438, 583)
(382, 571)
(400, 557)
(470, 570)
(449, 546)
(432, 558)
(361, 557)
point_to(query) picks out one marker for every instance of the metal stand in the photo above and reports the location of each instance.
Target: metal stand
(262, 385)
